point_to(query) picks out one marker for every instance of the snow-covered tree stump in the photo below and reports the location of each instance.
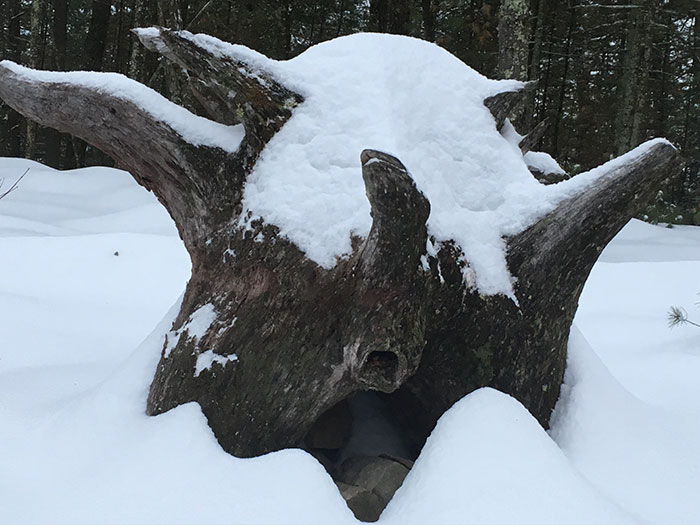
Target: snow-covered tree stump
(269, 336)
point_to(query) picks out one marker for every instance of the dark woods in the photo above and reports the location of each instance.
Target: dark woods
(610, 73)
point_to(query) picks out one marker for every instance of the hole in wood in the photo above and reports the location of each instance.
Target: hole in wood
(381, 368)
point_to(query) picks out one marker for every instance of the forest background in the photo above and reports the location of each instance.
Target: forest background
(608, 74)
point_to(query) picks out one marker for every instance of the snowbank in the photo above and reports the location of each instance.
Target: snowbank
(488, 461)
(645, 458)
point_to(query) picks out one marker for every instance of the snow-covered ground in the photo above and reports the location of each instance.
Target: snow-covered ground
(91, 263)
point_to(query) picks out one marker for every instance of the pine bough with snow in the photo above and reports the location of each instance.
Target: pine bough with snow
(358, 218)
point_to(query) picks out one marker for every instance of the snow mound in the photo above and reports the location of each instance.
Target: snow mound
(645, 458)
(488, 448)
(416, 101)
(89, 261)
(643, 242)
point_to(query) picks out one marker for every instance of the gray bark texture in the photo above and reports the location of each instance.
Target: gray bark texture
(305, 338)
(635, 75)
(513, 39)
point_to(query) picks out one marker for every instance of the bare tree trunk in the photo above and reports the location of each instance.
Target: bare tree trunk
(97, 34)
(530, 110)
(635, 73)
(428, 9)
(399, 17)
(341, 18)
(14, 120)
(513, 39)
(36, 57)
(58, 22)
(564, 78)
(379, 15)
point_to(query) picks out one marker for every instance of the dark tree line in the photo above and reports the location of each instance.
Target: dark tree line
(610, 73)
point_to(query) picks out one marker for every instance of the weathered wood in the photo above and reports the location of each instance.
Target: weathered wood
(151, 150)
(524, 352)
(253, 96)
(389, 319)
(502, 104)
(530, 140)
(288, 369)
(266, 340)
(549, 178)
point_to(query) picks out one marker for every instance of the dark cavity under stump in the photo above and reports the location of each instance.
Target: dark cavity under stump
(361, 444)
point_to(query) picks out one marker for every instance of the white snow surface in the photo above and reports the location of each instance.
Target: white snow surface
(200, 321)
(194, 129)
(416, 101)
(543, 162)
(206, 360)
(76, 447)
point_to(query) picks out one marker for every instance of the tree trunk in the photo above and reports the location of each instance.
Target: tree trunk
(635, 73)
(535, 58)
(14, 120)
(564, 79)
(379, 15)
(95, 44)
(59, 27)
(36, 57)
(513, 39)
(428, 9)
(249, 344)
(97, 34)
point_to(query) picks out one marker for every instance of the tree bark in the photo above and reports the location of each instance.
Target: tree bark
(59, 33)
(36, 57)
(97, 34)
(379, 15)
(249, 344)
(14, 120)
(513, 39)
(428, 9)
(635, 73)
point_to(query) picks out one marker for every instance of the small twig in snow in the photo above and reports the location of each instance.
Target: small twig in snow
(14, 186)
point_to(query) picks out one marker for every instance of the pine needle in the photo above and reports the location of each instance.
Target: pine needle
(678, 316)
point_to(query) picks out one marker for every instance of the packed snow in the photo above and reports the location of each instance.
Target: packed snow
(537, 160)
(76, 447)
(543, 162)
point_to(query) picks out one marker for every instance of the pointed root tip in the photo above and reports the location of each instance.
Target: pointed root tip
(370, 156)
